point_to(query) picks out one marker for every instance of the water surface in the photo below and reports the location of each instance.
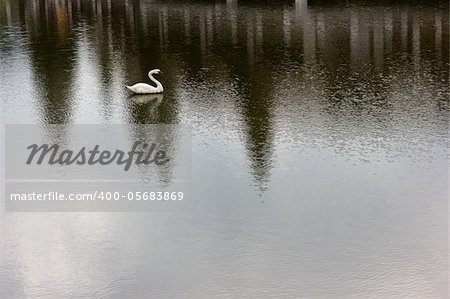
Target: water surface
(320, 147)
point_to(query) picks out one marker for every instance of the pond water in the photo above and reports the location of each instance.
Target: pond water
(319, 138)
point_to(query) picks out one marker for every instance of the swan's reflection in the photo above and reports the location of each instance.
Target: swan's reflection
(148, 99)
(146, 106)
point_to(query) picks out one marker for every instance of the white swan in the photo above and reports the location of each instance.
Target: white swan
(143, 88)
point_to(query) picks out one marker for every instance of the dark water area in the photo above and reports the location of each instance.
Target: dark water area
(320, 146)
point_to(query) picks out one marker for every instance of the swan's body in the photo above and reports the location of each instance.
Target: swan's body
(144, 88)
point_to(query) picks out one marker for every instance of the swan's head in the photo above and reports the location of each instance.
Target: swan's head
(154, 72)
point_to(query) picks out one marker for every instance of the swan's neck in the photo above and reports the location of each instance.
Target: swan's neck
(158, 84)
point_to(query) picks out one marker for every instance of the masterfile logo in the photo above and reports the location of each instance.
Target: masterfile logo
(52, 154)
(97, 167)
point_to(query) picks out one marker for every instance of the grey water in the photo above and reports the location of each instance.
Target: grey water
(319, 146)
